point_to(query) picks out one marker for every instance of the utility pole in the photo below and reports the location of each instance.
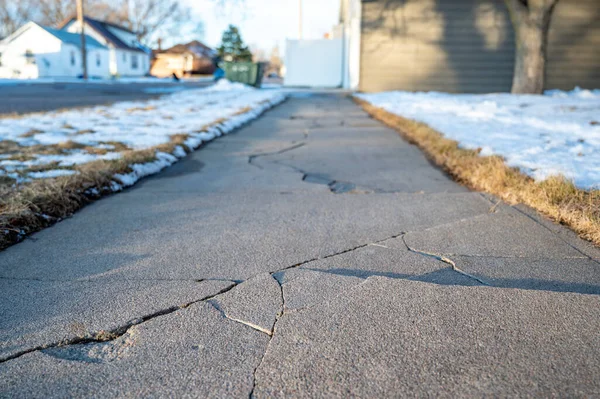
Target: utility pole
(300, 19)
(81, 24)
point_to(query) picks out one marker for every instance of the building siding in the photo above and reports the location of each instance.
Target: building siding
(468, 45)
(574, 45)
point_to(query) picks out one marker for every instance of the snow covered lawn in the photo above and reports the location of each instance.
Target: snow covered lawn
(51, 164)
(53, 144)
(557, 133)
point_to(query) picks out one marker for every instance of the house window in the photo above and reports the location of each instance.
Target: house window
(29, 57)
(124, 57)
(98, 60)
(72, 57)
(134, 61)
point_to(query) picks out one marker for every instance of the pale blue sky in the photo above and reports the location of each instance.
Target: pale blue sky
(264, 23)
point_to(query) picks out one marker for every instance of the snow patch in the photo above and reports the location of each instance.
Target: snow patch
(137, 125)
(542, 135)
(51, 173)
(194, 141)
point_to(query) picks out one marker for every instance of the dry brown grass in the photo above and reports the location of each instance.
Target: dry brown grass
(85, 131)
(556, 197)
(146, 108)
(27, 208)
(30, 207)
(31, 133)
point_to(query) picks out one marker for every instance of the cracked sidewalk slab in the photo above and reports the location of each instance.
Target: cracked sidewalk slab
(214, 216)
(253, 157)
(586, 248)
(388, 257)
(37, 314)
(499, 234)
(255, 303)
(317, 281)
(376, 164)
(561, 275)
(194, 352)
(423, 339)
(220, 235)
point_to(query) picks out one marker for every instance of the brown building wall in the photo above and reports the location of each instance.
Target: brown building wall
(574, 45)
(166, 65)
(468, 45)
(163, 67)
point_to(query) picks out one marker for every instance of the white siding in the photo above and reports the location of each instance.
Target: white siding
(126, 37)
(49, 57)
(98, 63)
(313, 63)
(46, 58)
(124, 63)
(351, 21)
(120, 63)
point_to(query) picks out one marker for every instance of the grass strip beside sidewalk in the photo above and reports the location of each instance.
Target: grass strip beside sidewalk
(555, 197)
(30, 207)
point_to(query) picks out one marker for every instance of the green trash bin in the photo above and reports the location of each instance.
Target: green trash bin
(250, 73)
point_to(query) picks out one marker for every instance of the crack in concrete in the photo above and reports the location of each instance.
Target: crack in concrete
(515, 256)
(446, 260)
(334, 254)
(586, 256)
(252, 157)
(335, 186)
(500, 201)
(274, 328)
(111, 335)
(105, 336)
(246, 323)
(102, 279)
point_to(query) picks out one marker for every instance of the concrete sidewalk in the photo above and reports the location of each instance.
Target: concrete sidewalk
(312, 253)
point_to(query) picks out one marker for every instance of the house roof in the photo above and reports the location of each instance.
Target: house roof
(65, 37)
(72, 38)
(101, 27)
(195, 47)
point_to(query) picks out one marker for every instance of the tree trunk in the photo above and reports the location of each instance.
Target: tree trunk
(531, 22)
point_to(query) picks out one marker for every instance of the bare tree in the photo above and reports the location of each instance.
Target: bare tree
(233, 9)
(531, 22)
(275, 62)
(53, 12)
(149, 18)
(13, 14)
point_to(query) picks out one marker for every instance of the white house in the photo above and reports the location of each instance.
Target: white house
(128, 57)
(36, 51)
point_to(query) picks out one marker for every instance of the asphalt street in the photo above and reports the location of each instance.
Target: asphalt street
(312, 253)
(37, 97)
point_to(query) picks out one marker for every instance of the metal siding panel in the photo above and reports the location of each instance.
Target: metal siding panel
(442, 45)
(574, 45)
(468, 45)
